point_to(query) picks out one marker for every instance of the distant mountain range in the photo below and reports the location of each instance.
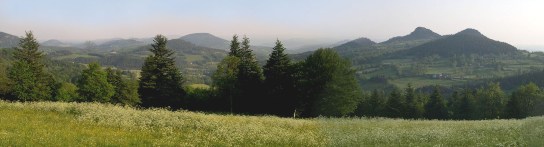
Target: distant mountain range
(420, 42)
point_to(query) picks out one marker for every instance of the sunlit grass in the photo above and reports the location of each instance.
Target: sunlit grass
(92, 124)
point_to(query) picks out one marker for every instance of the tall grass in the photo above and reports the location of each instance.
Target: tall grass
(85, 124)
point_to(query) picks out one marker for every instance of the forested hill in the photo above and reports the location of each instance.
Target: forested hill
(420, 33)
(8, 40)
(206, 40)
(357, 44)
(466, 42)
(115, 45)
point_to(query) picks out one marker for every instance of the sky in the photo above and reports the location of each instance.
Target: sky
(519, 22)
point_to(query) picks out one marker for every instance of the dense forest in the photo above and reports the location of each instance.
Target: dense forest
(322, 83)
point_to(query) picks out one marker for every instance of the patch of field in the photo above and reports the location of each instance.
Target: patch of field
(193, 58)
(418, 82)
(93, 124)
(202, 86)
(73, 56)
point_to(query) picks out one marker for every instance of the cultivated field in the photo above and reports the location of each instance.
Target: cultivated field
(92, 124)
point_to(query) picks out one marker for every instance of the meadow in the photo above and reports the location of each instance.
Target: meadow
(94, 124)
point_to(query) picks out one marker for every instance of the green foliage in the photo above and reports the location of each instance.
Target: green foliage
(463, 105)
(66, 92)
(93, 85)
(491, 101)
(279, 82)
(396, 104)
(224, 78)
(29, 80)
(245, 92)
(235, 47)
(329, 85)
(523, 101)
(161, 82)
(436, 107)
(373, 105)
(414, 106)
(126, 91)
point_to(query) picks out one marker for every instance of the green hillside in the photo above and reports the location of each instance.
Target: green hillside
(8, 40)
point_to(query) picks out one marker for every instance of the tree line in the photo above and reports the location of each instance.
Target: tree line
(323, 84)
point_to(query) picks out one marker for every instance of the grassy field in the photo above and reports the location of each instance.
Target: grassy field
(92, 124)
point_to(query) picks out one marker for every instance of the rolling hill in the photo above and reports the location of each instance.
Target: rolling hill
(120, 44)
(357, 44)
(206, 40)
(54, 42)
(8, 40)
(466, 42)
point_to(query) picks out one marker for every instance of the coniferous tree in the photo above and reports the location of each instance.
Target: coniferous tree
(126, 91)
(396, 104)
(279, 82)
(373, 105)
(329, 85)
(436, 107)
(463, 105)
(249, 80)
(93, 85)
(414, 109)
(235, 47)
(29, 80)
(161, 82)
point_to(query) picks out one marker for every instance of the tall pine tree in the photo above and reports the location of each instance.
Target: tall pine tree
(414, 109)
(29, 80)
(396, 104)
(279, 82)
(249, 80)
(436, 107)
(126, 91)
(160, 81)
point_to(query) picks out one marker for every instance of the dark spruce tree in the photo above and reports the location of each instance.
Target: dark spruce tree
(235, 47)
(328, 85)
(463, 105)
(414, 108)
(93, 85)
(126, 91)
(396, 104)
(279, 82)
(436, 107)
(249, 80)
(373, 105)
(29, 80)
(161, 82)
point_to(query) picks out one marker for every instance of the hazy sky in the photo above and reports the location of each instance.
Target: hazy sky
(519, 22)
